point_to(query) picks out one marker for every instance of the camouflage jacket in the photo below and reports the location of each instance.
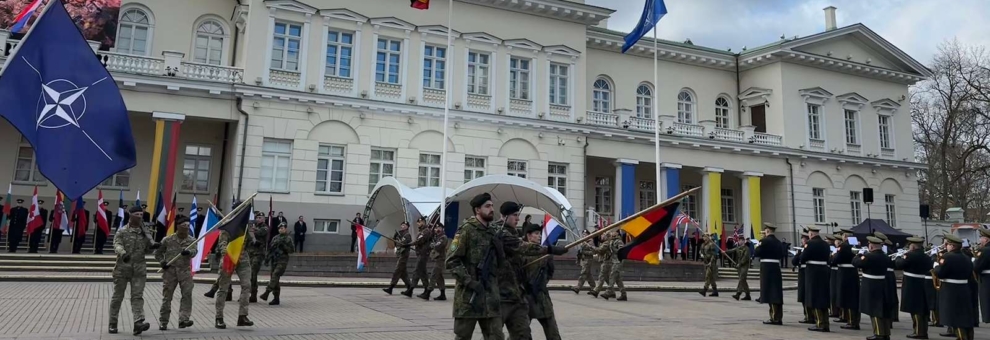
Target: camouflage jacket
(172, 246)
(402, 243)
(134, 242)
(536, 279)
(439, 246)
(472, 257)
(585, 254)
(741, 255)
(708, 253)
(609, 250)
(280, 248)
(422, 243)
(257, 245)
(510, 271)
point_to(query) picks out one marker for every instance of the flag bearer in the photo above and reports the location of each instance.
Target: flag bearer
(954, 271)
(473, 257)
(178, 273)
(742, 261)
(131, 244)
(402, 243)
(711, 266)
(585, 259)
(771, 252)
(873, 293)
(817, 273)
(278, 254)
(243, 270)
(537, 277)
(916, 267)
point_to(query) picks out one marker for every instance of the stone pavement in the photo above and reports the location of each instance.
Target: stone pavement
(45, 310)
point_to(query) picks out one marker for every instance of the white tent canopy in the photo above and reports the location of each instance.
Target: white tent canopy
(505, 188)
(392, 202)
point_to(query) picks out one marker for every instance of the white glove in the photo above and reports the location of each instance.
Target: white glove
(934, 265)
(862, 251)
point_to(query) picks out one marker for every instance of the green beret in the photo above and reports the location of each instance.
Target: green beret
(480, 200)
(532, 228)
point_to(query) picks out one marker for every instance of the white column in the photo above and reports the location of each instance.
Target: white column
(404, 68)
(356, 62)
(571, 74)
(534, 89)
(422, 53)
(508, 67)
(493, 80)
(320, 88)
(304, 53)
(374, 52)
(464, 86)
(546, 105)
(268, 51)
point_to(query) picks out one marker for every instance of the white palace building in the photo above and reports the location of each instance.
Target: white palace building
(311, 102)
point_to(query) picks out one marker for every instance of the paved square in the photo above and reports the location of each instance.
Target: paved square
(79, 311)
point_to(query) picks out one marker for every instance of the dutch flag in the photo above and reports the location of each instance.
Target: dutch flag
(551, 230)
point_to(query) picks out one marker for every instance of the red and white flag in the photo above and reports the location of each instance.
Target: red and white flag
(34, 216)
(101, 215)
(61, 220)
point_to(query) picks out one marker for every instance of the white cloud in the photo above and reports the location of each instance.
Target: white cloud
(915, 26)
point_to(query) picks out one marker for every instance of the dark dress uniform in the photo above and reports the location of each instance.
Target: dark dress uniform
(816, 290)
(796, 262)
(916, 266)
(932, 294)
(974, 287)
(849, 290)
(954, 271)
(34, 239)
(873, 293)
(833, 287)
(55, 235)
(79, 227)
(18, 222)
(771, 252)
(101, 237)
(982, 269)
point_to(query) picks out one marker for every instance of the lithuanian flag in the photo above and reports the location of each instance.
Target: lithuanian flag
(236, 229)
(419, 4)
(648, 232)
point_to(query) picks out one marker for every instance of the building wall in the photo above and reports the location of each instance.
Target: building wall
(174, 23)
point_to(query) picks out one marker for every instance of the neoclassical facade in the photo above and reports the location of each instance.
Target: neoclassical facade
(311, 102)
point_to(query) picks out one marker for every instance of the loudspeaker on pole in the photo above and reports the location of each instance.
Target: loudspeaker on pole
(925, 211)
(867, 195)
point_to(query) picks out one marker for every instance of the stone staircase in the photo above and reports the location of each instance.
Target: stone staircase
(754, 274)
(63, 263)
(88, 246)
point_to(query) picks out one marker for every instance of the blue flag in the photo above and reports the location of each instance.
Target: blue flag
(64, 102)
(652, 12)
(193, 214)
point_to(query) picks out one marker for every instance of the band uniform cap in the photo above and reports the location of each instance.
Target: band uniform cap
(769, 226)
(846, 231)
(804, 229)
(813, 228)
(880, 235)
(953, 238)
(984, 232)
(20, 200)
(480, 200)
(915, 240)
(829, 237)
(874, 240)
(887, 242)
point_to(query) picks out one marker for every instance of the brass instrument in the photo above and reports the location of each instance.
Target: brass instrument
(939, 252)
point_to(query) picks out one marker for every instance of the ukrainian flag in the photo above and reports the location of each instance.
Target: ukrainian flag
(236, 229)
(648, 232)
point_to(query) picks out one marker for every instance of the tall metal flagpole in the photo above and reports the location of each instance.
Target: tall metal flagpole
(656, 124)
(446, 111)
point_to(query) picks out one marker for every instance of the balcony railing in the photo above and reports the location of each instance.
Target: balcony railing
(669, 126)
(728, 134)
(641, 124)
(684, 129)
(766, 139)
(603, 119)
(886, 153)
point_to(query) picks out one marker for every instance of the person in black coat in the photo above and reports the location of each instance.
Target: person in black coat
(34, 239)
(833, 279)
(79, 229)
(816, 290)
(18, 222)
(954, 271)
(982, 268)
(848, 281)
(280, 220)
(54, 235)
(801, 285)
(771, 252)
(891, 277)
(916, 266)
(873, 293)
(693, 243)
(300, 233)
(145, 214)
(354, 225)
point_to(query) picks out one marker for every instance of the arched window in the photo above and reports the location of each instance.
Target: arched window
(722, 119)
(685, 107)
(644, 101)
(601, 100)
(134, 33)
(209, 43)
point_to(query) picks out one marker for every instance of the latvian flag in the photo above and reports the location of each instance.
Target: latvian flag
(366, 242)
(648, 231)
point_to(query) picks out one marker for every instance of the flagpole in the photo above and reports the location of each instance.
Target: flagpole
(446, 112)
(656, 122)
(223, 220)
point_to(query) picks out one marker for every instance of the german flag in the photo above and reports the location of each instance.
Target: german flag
(170, 218)
(236, 229)
(648, 232)
(419, 4)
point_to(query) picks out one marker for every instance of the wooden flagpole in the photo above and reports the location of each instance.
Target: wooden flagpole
(225, 219)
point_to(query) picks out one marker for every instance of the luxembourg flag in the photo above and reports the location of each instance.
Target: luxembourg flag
(206, 243)
(22, 19)
(366, 242)
(551, 230)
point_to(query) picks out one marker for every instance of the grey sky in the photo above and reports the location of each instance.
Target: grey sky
(915, 26)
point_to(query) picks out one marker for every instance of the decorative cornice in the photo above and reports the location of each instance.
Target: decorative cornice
(612, 42)
(291, 5)
(343, 14)
(555, 9)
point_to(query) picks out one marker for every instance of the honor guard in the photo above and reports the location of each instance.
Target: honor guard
(402, 243)
(771, 252)
(439, 255)
(873, 293)
(424, 234)
(891, 279)
(849, 283)
(131, 244)
(473, 257)
(916, 267)
(177, 274)
(278, 255)
(953, 271)
(708, 256)
(537, 277)
(815, 257)
(742, 260)
(585, 259)
(802, 279)
(982, 269)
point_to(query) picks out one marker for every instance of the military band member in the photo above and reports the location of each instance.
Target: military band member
(178, 273)
(802, 279)
(131, 244)
(954, 271)
(891, 279)
(982, 269)
(257, 247)
(711, 266)
(742, 260)
(817, 272)
(439, 255)
(930, 291)
(537, 277)
(771, 252)
(585, 259)
(974, 285)
(424, 234)
(402, 243)
(473, 257)
(849, 283)
(833, 283)
(873, 293)
(916, 266)
(278, 255)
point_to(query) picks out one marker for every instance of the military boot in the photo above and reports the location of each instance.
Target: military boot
(254, 296)
(220, 324)
(575, 290)
(275, 300)
(212, 293)
(141, 326)
(408, 292)
(746, 298)
(185, 324)
(593, 293)
(388, 290)
(622, 297)
(442, 297)
(703, 292)
(112, 328)
(230, 295)
(264, 296)
(714, 290)
(608, 295)
(242, 321)
(163, 326)
(425, 295)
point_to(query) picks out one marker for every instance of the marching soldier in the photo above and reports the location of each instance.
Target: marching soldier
(954, 271)
(177, 274)
(743, 259)
(402, 243)
(835, 311)
(982, 268)
(916, 266)
(257, 247)
(472, 257)
(802, 286)
(605, 270)
(815, 257)
(614, 243)
(131, 244)
(585, 258)
(537, 277)
(771, 252)
(849, 283)
(424, 235)
(891, 279)
(873, 298)
(439, 255)
(216, 286)
(711, 266)
(243, 270)
(278, 255)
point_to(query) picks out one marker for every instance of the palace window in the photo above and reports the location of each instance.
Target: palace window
(474, 167)
(429, 170)
(434, 67)
(685, 107)
(286, 44)
(276, 158)
(519, 78)
(601, 99)
(557, 177)
(340, 50)
(818, 200)
(196, 168)
(644, 101)
(209, 43)
(330, 169)
(382, 165)
(387, 61)
(479, 65)
(558, 84)
(517, 168)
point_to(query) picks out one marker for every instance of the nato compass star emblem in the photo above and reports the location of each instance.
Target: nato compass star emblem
(62, 103)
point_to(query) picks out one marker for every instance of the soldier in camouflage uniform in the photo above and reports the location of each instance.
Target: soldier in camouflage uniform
(615, 277)
(472, 257)
(178, 273)
(243, 270)
(402, 243)
(439, 255)
(585, 258)
(131, 244)
(604, 253)
(278, 255)
(257, 242)
(742, 260)
(424, 234)
(537, 277)
(708, 254)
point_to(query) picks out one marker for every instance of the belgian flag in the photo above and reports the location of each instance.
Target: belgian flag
(419, 4)
(236, 229)
(648, 232)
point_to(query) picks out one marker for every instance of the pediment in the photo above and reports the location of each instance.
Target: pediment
(816, 92)
(852, 101)
(886, 106)
(524, 44)
(562, 50)
(290, 5)
(437, 30)
(755, 92)
(858, 44)
(343, 14)
(393, 22)
(482, 37)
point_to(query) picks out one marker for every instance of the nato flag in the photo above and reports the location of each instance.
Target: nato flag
(55, 91)
(653, 10)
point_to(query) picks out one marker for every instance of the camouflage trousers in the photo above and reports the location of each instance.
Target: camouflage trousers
(278, 269)
(170, 279)
(243, 270)
(420, 274)
(585, 275)
(743, 286)
(550, 330)
(711, 275)
(437, 276)
(256, 263)
(491, 328)
(515, 317)
(604, 275)
(136, 278)
(615, 279)
(401, 272)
